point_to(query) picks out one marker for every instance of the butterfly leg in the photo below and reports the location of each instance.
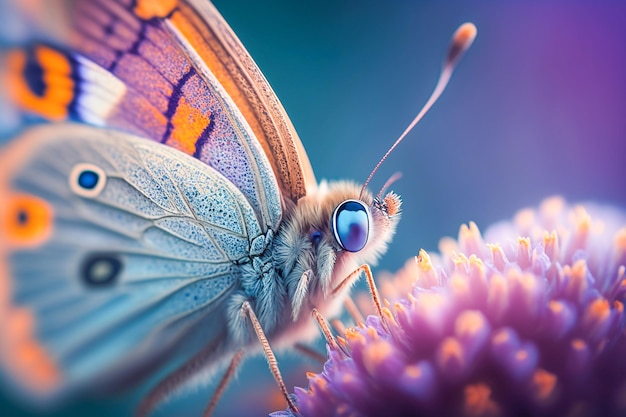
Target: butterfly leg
(269, 355)
(219, 391)
(338, 343)
(334, 343)
(370, 283)
(310, 352)
(339, 326)
(325, 328)
(353, 310)
(176, 379)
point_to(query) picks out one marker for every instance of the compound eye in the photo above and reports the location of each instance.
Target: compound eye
(351, 225)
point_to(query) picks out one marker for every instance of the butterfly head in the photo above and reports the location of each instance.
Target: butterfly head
(353, 219)
(328, 235)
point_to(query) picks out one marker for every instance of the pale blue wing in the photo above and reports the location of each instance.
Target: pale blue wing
(143, 242)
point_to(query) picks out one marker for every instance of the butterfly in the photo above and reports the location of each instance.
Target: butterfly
(166, 218)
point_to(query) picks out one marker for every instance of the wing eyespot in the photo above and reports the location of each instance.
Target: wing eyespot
(87, 180)
(28, 220)
(101, 270)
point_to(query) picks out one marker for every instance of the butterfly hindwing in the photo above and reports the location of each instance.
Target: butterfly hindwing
(110, 241)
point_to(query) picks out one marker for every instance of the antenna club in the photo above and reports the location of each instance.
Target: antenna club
(462, 39)
(465, 34)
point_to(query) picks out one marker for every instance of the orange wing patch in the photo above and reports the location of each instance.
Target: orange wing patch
(149, 9)
(188, 124)
(23, 355)
(57, 87)
(27, 220)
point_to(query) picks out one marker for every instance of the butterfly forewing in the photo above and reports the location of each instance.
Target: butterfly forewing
(164, 71)
(148, 36)
(213, 39)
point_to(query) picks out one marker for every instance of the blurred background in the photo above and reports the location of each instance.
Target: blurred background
(536, 108)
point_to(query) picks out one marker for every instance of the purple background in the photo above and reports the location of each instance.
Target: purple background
(536, 108)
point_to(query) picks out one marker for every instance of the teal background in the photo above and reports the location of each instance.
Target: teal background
(536, 108)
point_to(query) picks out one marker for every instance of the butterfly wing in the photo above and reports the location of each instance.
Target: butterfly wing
(113, 248)
(218, 46)
(175, 72)
(170, 71)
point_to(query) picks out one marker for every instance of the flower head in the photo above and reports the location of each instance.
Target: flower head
(531, 323)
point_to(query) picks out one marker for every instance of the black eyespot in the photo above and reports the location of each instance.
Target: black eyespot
(34, 74)
(350, 224)
(22, 217)
(100, 270)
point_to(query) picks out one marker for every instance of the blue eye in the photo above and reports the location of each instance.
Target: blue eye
(350, 224)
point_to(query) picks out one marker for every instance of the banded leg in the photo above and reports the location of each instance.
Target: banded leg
(269, 355)
(328, 334)
(372, 287)
(175, 380)
(353, 310)
(228, 375)
(310, 352)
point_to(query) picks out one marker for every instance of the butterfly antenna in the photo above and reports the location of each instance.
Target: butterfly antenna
(461, 41)
(395, 177)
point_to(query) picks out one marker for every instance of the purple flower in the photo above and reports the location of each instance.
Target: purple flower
(531, 323)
